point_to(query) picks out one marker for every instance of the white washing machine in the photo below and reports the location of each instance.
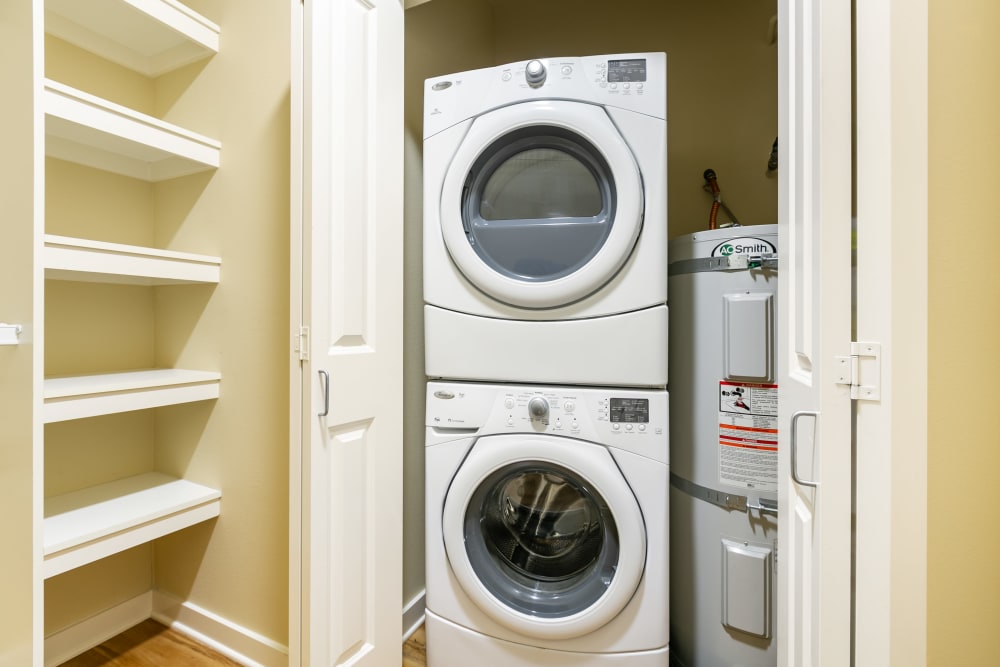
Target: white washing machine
(545, 222)
(546, 526)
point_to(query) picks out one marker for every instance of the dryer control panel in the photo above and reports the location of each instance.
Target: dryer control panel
(632, 81)
(635, 420)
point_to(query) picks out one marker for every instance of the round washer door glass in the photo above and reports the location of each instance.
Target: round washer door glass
(541, 539)
(544, 534)
(542, 203)
(539, 203)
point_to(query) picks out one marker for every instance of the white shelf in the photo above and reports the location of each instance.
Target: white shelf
(151, 37)
(83, 396)
(84, 260)
(90, 524)
(88, 130)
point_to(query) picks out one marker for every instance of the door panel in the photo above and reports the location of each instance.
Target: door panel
(349, 626)
(351, 303)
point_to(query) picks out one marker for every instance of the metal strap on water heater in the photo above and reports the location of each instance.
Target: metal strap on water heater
(767, 261)
(727, 501)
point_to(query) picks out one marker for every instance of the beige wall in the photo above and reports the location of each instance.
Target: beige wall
(964, 311)
(722, 113)
(18, 609)
(236, 566)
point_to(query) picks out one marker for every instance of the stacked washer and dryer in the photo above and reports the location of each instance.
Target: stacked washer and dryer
(545, 288)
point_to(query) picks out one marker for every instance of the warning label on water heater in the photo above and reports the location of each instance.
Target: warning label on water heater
(748, 435)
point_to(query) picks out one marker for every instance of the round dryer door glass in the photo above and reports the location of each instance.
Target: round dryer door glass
(542, 203)
(541, 540)
(538, 203)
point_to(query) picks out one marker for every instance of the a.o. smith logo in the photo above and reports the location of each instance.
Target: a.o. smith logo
(743, 246)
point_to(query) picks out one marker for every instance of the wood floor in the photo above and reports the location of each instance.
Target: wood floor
(151, 644)
(415, 650)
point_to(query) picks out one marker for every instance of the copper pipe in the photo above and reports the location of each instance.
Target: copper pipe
(713, 186)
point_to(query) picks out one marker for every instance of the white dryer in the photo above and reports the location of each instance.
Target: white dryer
(546, 526)
(545, 222)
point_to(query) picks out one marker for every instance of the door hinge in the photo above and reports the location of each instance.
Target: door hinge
(862, 371)
(302, 344)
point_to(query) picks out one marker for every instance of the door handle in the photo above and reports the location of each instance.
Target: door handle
(795, 448)
(326, 393)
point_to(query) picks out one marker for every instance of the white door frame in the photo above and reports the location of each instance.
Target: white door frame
(891, 435)
(891, 495)
(890, 601)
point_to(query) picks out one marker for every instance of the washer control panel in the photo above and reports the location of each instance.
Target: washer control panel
(632, 419)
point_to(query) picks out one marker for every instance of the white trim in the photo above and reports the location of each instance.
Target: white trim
(296, 291)
(234, 641)
(414, 613)
(85, 635)
(891, 435)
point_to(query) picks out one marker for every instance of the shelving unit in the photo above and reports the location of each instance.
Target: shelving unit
(66, 258)
(85, 129)
(151, 37)
(83, 396)
(86, 525)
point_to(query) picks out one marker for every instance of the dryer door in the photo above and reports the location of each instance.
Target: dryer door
(542, 204)
(544, 534)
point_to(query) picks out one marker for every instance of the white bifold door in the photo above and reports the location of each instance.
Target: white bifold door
(814, 590)
(346, 542)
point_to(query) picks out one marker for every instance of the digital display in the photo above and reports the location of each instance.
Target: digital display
(626, 71)
(630, 410)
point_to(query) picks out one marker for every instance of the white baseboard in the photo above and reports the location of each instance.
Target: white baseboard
(85, 635)
(235, 642)
(413, 614)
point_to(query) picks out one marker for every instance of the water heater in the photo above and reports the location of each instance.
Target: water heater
(724, 447)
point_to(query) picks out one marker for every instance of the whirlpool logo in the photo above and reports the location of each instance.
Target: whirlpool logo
(743, 246)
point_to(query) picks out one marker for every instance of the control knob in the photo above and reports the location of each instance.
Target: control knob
(538, 408)
(534, 73)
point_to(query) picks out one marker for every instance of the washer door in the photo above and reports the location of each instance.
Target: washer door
(544, 534)
(542, 203)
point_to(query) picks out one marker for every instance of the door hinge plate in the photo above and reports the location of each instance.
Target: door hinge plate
(862, 371)
(302, 344)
